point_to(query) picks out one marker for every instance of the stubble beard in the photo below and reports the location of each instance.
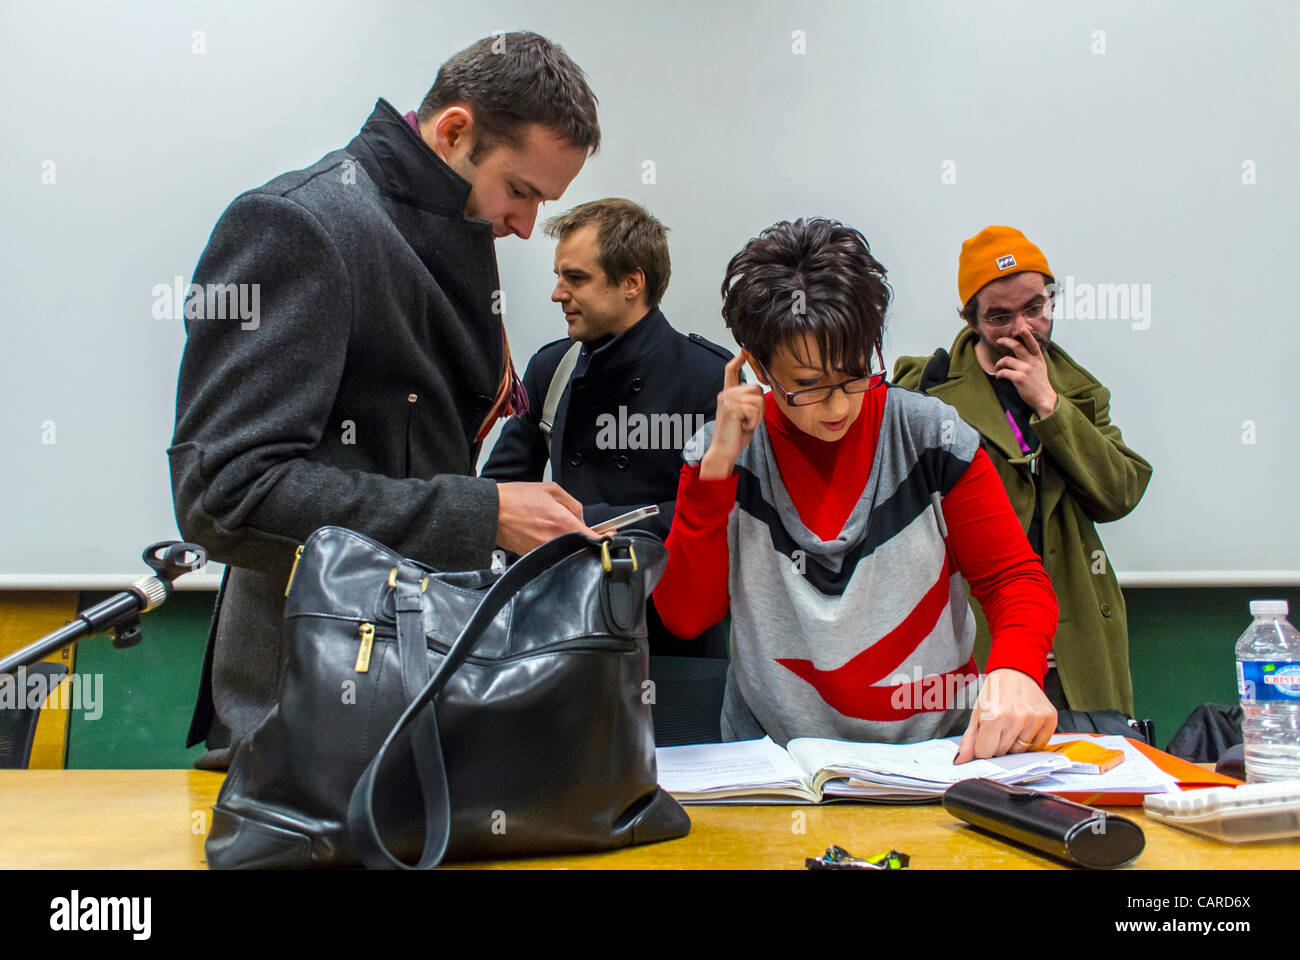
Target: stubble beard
(997, 351)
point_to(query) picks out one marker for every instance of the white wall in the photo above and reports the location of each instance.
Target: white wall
(1124, 166)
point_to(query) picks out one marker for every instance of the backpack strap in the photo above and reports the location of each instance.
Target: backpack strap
(935, 372)
(558, 384)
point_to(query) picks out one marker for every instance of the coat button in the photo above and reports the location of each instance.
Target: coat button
(622, 461)
(411, 398)
(1105, 609)
(637, 384)
(575, 459)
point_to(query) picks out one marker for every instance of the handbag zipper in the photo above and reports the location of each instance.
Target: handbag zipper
(367, 631)
(297, 555)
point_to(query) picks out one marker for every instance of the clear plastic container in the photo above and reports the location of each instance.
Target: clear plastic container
(1268, 681)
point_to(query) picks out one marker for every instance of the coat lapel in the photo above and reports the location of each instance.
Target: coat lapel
(1070, 388)
(968, 390)
(425, 201)
(630, 347)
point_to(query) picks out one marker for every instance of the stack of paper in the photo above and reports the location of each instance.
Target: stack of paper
(810, 770)
(758, 771)
(909, 771)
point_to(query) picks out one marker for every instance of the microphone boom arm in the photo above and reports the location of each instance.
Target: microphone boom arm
(120, 613)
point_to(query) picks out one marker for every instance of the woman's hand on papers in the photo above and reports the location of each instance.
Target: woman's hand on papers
(1012, 715)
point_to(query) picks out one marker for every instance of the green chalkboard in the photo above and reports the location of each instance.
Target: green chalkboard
(148, 689)
(1181, 644)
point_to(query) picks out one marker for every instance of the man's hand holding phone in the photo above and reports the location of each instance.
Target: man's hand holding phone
(610, 527)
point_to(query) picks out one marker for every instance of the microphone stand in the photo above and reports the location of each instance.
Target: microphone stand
(120, 613)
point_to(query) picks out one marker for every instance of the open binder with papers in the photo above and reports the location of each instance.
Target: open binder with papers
(811, 770)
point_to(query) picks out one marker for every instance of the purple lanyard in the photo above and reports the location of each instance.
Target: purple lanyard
(1020, 437)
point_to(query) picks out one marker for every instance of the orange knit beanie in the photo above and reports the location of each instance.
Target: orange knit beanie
(992, 253)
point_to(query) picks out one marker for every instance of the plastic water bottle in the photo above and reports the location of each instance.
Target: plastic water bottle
(1268, 680)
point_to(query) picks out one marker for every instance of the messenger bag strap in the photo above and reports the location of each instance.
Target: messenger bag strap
(426, 744)
(556, 390)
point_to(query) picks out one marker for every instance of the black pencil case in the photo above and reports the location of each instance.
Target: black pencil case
(1084, 836)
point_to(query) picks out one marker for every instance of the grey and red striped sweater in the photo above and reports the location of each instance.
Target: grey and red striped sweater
(843, 564)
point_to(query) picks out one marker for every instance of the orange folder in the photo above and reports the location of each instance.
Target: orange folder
(1189, 776)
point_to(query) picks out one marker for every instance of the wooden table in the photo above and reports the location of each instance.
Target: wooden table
(159, 818)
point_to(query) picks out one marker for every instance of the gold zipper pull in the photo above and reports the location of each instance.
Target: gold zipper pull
(367, 641)
(297, 555)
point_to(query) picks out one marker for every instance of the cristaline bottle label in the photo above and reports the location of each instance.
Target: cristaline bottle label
(1269, 680)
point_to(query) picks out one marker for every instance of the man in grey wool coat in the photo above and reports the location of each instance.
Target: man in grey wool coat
(361, 393)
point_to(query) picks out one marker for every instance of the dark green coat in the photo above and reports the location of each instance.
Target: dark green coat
(1087, 476)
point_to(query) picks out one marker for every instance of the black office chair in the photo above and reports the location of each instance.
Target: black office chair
(687, 704)
(18, 726)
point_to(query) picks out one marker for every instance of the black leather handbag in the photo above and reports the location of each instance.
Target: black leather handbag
(425, 715)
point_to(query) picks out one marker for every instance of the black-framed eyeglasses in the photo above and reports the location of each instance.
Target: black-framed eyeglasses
(812, 395)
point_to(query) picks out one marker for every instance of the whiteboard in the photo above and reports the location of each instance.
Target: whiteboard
(1153, 144)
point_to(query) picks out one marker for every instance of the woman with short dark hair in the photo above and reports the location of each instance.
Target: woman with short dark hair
(837, 515)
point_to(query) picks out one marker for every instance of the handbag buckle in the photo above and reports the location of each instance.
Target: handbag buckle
(624, 566)
(392, 580)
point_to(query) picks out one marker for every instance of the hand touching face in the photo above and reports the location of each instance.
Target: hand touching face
(1014, 326)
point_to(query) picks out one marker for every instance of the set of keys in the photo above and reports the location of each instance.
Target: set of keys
(837, 858)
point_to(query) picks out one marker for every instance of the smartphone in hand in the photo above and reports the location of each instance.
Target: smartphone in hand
(617, 523)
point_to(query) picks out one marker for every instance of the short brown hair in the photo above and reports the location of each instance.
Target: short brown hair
(814, 277)
(627, 238)
(509, 80)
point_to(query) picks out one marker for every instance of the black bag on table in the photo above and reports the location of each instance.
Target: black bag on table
(425, 715)
(1210, 731)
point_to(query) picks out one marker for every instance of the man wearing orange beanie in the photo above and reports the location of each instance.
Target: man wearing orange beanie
(1045, 422)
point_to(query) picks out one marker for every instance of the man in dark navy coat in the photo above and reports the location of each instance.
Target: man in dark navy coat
(633, 389)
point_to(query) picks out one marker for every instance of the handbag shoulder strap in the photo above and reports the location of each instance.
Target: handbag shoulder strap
(420, 713)
(558, 383)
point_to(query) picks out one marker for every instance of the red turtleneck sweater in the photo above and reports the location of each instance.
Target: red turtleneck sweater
(825, 480)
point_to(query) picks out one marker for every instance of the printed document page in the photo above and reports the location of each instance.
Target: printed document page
(1136, 774)
(926, 765)
(719, 769)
